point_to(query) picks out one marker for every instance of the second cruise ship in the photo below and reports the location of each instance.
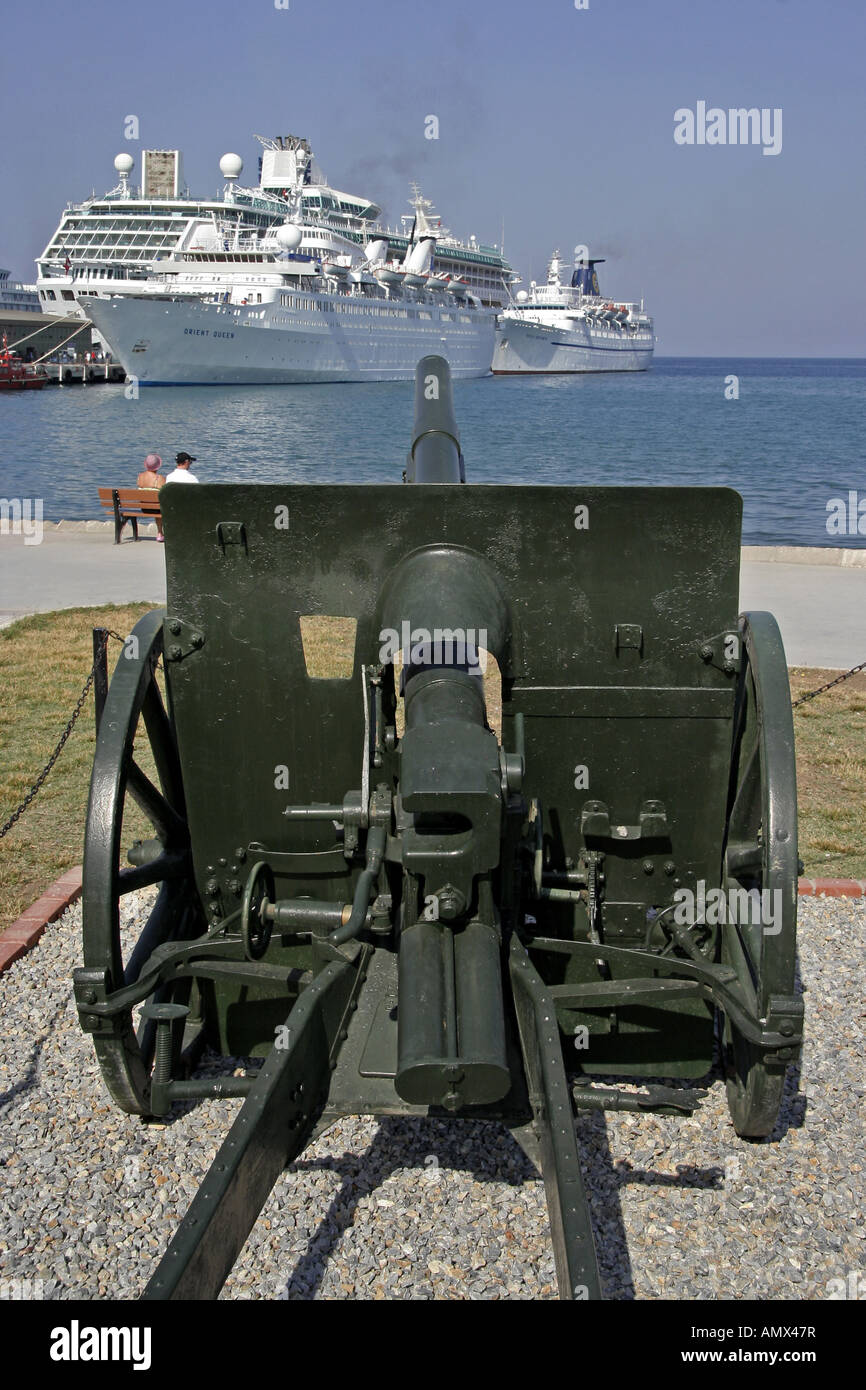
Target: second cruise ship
(572, 328)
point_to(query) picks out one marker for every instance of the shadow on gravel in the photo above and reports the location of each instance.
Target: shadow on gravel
(418, 1143)
(403, 1143)
(31, 1074)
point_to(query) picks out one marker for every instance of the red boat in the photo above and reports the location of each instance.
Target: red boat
(16, 375)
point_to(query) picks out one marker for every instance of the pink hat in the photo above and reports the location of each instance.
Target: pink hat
(153, 462)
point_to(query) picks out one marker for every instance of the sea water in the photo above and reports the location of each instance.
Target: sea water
(786, 433)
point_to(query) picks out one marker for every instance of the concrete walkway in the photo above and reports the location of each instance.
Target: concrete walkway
(817, 595)
(79, 568)
(820, 608)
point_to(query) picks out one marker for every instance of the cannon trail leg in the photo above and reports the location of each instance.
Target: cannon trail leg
(570, 1225)
(271, 1129)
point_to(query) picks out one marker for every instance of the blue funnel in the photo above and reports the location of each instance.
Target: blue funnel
(585, 278)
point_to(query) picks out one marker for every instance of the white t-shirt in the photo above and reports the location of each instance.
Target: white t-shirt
(181, 475)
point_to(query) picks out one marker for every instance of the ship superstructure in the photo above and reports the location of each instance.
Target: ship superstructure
(17, 297)
(109, 245)
(558, 327)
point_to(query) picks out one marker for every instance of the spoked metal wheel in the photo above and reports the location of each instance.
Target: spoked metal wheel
(761, 858)
(134, 696)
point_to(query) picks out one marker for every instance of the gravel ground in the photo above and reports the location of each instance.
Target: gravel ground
(430, 1209)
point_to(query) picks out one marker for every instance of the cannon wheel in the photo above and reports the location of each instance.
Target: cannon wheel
(125, 1058)
(760, 853)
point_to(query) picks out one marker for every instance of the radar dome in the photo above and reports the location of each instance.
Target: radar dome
(289, 236)
(231, 165)
(124, 163)
(522, 296)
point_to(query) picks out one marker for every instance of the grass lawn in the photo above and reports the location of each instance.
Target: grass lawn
(831, 774)
(44, 662)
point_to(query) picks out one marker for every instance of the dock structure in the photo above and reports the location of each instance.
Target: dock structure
(83, 373)
(38, 337)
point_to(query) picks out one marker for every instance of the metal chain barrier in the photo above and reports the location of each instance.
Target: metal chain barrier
(837, 680)
(34, 790)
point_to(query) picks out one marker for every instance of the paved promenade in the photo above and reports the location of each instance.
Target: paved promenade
(818, 596)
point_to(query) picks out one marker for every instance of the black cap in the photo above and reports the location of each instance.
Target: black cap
(184, 458)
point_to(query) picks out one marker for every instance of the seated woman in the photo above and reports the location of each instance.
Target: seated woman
(150, 476)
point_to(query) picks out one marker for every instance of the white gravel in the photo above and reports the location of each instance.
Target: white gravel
(89, 1197)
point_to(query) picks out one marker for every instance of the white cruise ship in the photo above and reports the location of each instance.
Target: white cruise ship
(572, 328)
(109, 244)
(296, 305)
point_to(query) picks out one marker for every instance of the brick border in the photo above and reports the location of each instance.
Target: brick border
(832, 887)
(18, 939)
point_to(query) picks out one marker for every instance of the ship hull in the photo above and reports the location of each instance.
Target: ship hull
(538, 348)
(23, 384)
(333, 338)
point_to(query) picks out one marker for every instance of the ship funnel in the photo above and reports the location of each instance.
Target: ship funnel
(585, 278)
(419, 255)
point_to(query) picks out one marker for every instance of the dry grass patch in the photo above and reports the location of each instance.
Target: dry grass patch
(44, 662)
(831, 774)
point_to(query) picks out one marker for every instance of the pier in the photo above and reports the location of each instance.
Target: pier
(83, 373)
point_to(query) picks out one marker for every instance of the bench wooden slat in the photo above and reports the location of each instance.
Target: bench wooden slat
(130, 504)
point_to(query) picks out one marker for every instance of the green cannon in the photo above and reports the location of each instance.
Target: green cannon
(466, 801)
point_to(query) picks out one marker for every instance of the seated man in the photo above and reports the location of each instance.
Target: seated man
(181, 473)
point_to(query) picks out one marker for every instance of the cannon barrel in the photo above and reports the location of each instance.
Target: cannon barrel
(434, 455)
(451, 1025)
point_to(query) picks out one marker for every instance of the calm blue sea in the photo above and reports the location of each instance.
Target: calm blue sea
(793, 439)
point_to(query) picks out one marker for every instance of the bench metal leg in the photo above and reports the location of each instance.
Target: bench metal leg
(118, 517)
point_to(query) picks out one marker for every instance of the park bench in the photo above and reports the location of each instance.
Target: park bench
(131, 504)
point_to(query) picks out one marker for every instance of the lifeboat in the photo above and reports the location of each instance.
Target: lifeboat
(388, 275)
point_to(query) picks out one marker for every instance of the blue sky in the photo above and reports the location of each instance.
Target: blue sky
(559, 121)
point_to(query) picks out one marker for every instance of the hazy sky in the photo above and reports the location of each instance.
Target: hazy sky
(559, 121)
